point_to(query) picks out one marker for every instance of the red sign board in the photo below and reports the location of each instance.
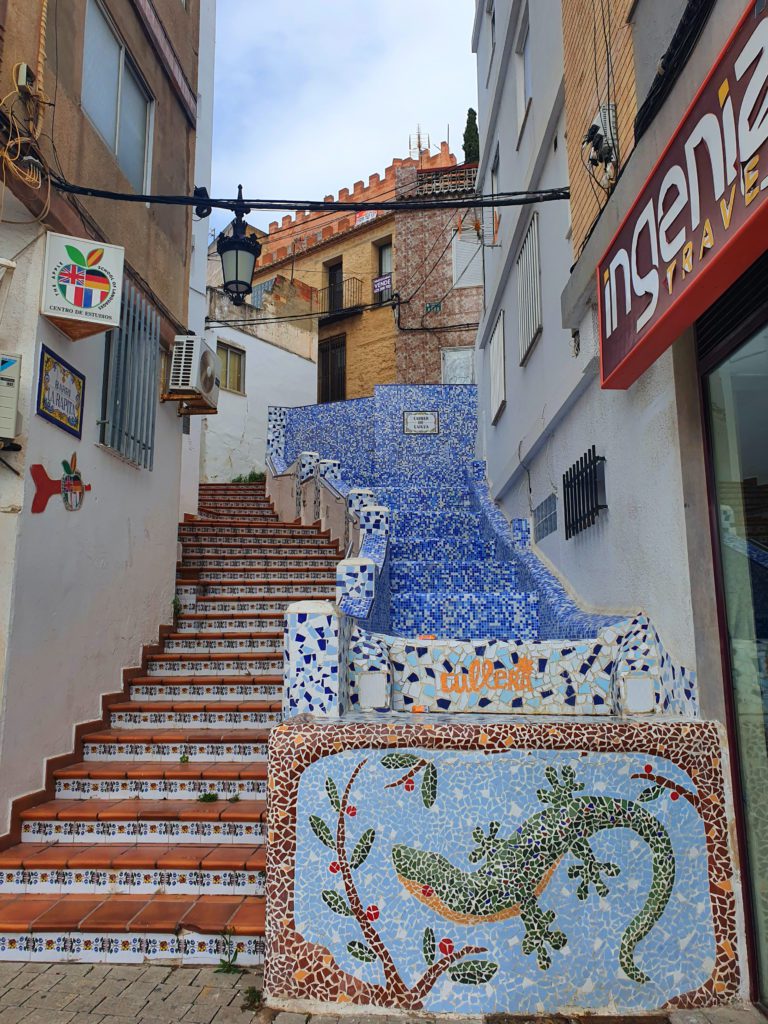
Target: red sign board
(701, 218)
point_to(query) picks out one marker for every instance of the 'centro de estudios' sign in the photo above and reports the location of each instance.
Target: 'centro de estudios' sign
(701, 218)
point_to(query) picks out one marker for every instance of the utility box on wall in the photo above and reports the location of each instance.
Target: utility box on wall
(10, 374)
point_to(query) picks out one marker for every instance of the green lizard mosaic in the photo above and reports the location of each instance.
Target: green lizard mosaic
(514, 872)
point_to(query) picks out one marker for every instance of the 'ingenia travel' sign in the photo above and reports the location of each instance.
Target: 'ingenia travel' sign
(701, 218)
(82, 285)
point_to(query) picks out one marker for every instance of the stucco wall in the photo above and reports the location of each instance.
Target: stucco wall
(87, 588)
(234, 440)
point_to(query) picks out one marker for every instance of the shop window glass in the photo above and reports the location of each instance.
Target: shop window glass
(738, 417)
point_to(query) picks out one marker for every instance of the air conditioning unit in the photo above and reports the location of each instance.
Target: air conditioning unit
(10, 372)
(195, 370)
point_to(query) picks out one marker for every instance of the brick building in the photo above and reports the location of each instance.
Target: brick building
(358, 263)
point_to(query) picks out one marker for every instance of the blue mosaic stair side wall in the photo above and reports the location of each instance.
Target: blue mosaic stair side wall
(426, 460)
(337, 430)
(559, 615)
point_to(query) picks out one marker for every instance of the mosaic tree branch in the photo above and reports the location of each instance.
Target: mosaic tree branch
(660, 783)
(392, 978)
(419, 764)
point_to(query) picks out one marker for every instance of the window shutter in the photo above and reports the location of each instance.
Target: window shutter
(130, 375)
(529, 290)
(497, 369)
(467, 261)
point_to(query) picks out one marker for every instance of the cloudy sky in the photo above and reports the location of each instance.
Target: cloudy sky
(313, 95)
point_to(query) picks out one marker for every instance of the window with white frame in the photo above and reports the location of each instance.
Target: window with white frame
(458, 365)
(129, 398)
(232, 367)
(523, 70)
(115, 98)
(496, 369)
(491, 215)
(467, 260)
(529, 290)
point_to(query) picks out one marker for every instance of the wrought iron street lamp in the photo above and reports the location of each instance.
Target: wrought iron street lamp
(238, 253)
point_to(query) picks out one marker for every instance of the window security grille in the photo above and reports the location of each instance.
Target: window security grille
(129, 402)
(545, 518)
(584, 492)
(497, 369)
(529, 290)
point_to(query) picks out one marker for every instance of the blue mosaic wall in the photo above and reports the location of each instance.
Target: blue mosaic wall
(337, 430)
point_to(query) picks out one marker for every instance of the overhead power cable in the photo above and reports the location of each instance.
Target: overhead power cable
(457, 203)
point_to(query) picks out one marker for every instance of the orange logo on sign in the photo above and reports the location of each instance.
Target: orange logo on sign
(483, 676)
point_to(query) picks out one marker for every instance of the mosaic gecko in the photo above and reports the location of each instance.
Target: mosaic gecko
(517, 870)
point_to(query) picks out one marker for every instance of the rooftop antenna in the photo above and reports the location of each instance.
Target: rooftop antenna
(417, 142)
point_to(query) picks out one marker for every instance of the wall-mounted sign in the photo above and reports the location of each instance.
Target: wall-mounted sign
(433, 307)
(382, 284)
(364, 217)
(60, 393)
(701, 218)
(82, 285)
(10, 376)
(421, 422)
(70, 486)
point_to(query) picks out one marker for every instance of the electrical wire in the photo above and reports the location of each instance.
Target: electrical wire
(520, 198)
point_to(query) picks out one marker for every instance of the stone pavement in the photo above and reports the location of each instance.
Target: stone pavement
(106, 994)
(33, 993)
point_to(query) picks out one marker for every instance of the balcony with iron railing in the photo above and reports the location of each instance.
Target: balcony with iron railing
(340, 299)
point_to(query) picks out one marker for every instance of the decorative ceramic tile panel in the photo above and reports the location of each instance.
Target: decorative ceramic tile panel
(502, 867)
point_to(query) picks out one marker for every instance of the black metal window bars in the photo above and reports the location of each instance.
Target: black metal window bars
(583, 492)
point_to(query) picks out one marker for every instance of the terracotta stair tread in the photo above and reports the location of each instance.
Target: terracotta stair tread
(243, 915)
(146, 857)
(222, 706)
(150, 736)
(146, 810)
(163, 770)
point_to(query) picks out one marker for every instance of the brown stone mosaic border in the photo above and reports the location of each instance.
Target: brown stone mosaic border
(297, 969)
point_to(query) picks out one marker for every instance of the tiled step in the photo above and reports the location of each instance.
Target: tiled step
(303, 584)
(164, 689)
(308, 564)
(144, 821)
(109, 780)
(274, 603)
(471, 576)
(462, 524)
(417, 498)
(245, 664)
(170, 745)
(195, 622)
(195, 714)
(132, 929)
(187, 869)
(263, 545)
(466, 616)
(446, 549)
(225, 641)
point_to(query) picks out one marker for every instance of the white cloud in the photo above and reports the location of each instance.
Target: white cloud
(313, 95)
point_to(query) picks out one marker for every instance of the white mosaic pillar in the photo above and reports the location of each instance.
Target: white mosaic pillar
(305, 470)
(357, 499)
(325, 469)
(374, 521)
(315, 660)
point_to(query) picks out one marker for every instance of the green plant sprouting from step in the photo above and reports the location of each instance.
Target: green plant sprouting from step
(254, 476)
(228, 962)
(372, 948)
(176, 606)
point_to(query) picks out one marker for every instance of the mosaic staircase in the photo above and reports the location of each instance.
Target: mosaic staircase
(152, 843)
(443, 578)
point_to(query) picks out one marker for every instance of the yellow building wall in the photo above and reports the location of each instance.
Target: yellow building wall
(370, 335)
(581, 96)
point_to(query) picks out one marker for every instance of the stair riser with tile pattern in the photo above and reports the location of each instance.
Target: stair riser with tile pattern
(158, 789)
(127, 883)
(219, 645)
(171, 751)
(134, 832)
(168, 691)
(245, 624)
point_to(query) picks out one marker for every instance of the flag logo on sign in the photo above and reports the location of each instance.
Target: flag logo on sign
(80, 282)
